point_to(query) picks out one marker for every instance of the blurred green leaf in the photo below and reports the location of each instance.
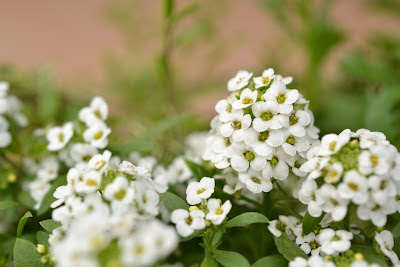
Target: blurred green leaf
(131, 147)
(49, 198)
(49, 225)
(25, 254)
(22, 223)
(310, 222)
(173, 202)
(246, 219)
(7, 204)
(275, 261)
(288, 248)
(230, 258)
(43, 238)
(370, 255)
(209, 261)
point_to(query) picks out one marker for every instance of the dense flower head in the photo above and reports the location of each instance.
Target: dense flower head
(10, 112)
(262, 130)
(109, 204)
(353, 167)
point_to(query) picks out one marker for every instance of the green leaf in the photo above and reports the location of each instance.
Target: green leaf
(209, 261)
(49, 225)
(49, 101)
(185, 11)
(25, 254)
(140, 147)
(43, 238)
(22, 223)
(7, 204)
(230, 258)
(197, 170)
(275, 261)
(396, 231)
(49, 198)
(26, 199)
(173, 202)
(370, 254)
(288, 248)
(310, 222)
(246, 219)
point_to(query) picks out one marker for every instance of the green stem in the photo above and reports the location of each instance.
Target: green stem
(253, 202)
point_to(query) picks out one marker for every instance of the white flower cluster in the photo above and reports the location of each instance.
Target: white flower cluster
(10, 110)
(89, 137)
(262, 130)
(105, 204)
(210, 211)
(361, 167)
(325, 246)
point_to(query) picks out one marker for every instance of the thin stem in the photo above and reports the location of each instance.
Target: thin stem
(251, 201)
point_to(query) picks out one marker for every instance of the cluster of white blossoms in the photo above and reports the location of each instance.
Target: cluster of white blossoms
(329, 247)
(210, 210)
(361, 168)
(262, 130)
(10, 110)
(109, 204)
(73, 144)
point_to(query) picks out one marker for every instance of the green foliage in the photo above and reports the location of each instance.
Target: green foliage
(7, 205)
(25, 254)
(309, 223)
(173, 202)
(49, 198)
(49, 225)
(246, 219)
(230, 258)
(22, 223)
(209, 261)
(276, 261)
(288, 248)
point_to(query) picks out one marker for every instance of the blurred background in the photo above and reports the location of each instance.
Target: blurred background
(162, 65)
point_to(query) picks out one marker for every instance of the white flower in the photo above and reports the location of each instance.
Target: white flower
(119, 191)
(245, 157)
(332, 143)
(265, 79)
(255, 182)
(138, 250)
(373, 161)
(100, 162)
(296, 122)
(236, 126)
(284, 97)
(266, 116)
(294, 144)
(333, 242)
(89, 182)
(313, 261)
(98, 110)
(328, 196)
(5, 136)
(307, 195)
(375, 212)
(97, 134)
(369, 139)
(247, 98)
(286, 80)
(263, 143)
(197, 191)
(334, 173)
(82, 153)
(239, 81)
(58, 136)
(217, 213)
(187, 222)
(382, 189)
(386, 243)
(314, 166)
(225, 109)
(354, 187)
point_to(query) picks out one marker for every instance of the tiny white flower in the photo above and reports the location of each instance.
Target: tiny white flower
(265, 78)
(187, 222)
(59, 136)
(97, 134)
(119, 191)
(332, 143)
(98, 110)
(333, 242)
(100, 162)
(354, 187)
(373, 160)
(386, 243)
(296, 122)
(225, 109)
(247, 98)
(89, 182)
(266, 116)
(286, 80)
(313, 261)
(382, 189)
(217, 212)
(255, 181)
(5, 136)
(263, 143)
(331, 202)
(197, 191)
(235, 128)
(334, 173)
(239, 81)
(369, 139)
(245, 157)
(284, 97)
(375, 212)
